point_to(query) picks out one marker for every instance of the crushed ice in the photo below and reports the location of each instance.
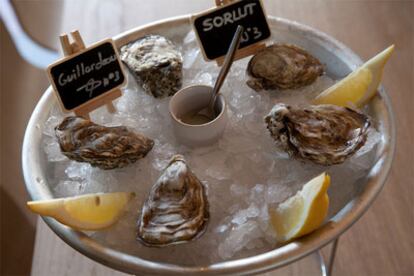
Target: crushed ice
(243, 172)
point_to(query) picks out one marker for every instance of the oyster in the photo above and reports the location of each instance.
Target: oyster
(103, 147)
(324, 134)
(156, 64)
(176, 209)
(282, 66)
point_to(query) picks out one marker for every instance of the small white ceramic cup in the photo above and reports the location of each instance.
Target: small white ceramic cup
(190, 99)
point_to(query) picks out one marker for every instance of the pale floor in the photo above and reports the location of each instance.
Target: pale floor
(380, 243)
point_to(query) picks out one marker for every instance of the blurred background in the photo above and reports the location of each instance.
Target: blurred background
(381, 243)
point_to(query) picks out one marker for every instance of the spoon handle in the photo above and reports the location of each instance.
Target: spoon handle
(227, 62)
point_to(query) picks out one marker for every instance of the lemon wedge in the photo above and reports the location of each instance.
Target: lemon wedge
(85, 212)
(304, 212)
(358, 87)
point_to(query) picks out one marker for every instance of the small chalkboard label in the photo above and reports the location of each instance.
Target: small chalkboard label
(215, 28)
(86, 76)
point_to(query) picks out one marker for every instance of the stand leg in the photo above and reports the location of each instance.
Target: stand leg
(326, 270)
(332, 256)
(321, 263)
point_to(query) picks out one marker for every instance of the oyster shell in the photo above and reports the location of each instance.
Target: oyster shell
(176, 209)
(282, 66)
(156, 64)
(324, 134)
(103, 147)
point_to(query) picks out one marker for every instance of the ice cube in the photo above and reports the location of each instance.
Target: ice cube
(238, 190)
(277, 193)
(162, 154)
(257, 193)
(190, 38)
(204, 78)
(216, 168)
(52, 149)
(78, 170)
(373, 139)
(238, 238)
(243, 215)
(236, 143)
(51, 123)
(221, 228)
(256, 243)
(190, 57)
(67, 188)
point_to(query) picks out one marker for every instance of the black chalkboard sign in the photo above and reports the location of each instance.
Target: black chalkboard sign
(215, 28)
(86, 76)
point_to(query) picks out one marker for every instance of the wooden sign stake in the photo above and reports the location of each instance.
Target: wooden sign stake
(70, 49)
(223, 2)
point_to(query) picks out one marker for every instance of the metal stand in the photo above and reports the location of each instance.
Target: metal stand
(327, 270)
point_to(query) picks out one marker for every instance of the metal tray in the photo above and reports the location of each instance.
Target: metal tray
(339, 61)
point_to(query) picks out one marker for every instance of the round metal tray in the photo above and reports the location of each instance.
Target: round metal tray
(339, 61)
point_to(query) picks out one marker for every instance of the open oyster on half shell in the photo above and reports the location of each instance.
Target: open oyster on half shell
(282, 66)
(324, 134)
(176, 209)
(104, 147)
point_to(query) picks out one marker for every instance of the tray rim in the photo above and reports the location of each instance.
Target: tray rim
(276, 258)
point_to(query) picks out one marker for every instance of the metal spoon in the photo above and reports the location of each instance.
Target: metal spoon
(209, 111)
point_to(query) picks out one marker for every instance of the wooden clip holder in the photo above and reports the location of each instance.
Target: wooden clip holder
(70, 49)
(241, 53)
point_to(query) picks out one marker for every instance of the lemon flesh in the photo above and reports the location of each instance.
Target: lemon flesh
(358, 87)
(304, 212)
(85, 212)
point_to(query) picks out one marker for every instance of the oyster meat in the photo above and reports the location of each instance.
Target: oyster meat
(324, 134)
(176, 209)
(103, 147)
(282, 66)
(156, 64)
